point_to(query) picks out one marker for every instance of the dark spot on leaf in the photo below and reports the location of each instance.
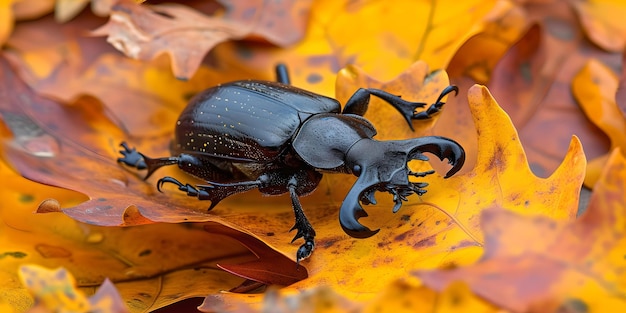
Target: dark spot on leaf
(269, 234)
(102, 199)
(26, 198)
(405, 217)
(145, 252)
(526, 203)
(244, 52)
(314, 78)
(437, 222)
(15, 254)
(573, 306)
(401, 237)
(526, 72)
(426, 242)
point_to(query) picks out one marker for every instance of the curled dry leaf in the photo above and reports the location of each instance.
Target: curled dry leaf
(151, 272)
(555, 264)
(145, 32)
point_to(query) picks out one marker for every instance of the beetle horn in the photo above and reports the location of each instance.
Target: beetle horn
(351, 209)
(443, 148)
(382, 166)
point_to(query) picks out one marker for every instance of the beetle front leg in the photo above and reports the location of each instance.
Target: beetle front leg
(359, 103)
(133, 158)
(305, 230)
(436, 107)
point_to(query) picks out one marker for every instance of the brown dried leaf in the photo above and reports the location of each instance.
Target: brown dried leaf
(143, 32)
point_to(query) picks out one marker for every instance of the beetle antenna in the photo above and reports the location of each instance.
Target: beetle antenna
(282, 74)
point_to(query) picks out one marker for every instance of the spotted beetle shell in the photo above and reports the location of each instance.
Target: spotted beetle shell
(247, 121)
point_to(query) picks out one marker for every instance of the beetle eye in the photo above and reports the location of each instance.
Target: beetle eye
(356, 170)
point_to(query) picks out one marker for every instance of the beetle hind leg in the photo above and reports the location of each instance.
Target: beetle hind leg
(214, 192)
(302, 225)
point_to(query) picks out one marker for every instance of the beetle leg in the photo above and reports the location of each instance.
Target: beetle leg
(305, 230)
(214, 192)
(131, 157)
(359, 103)
(136, 159)
(436, 107)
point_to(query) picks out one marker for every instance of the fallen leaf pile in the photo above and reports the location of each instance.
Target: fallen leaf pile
(527, 225)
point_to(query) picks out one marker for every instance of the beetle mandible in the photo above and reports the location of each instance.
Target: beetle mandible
(280, 139)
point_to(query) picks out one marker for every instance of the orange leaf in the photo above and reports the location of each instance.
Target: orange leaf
(595, 87)
(187, 35)
(555, 263)
(166, 257)
(603, 22)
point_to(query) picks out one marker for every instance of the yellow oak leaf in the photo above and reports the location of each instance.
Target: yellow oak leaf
(549, 265)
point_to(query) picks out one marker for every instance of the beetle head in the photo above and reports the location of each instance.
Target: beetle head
(383, 166)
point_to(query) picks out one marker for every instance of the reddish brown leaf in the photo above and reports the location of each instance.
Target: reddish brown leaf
(144, 32)
(534, 77)
(271, 267)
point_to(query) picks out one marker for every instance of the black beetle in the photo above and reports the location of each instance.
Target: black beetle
(278, 138)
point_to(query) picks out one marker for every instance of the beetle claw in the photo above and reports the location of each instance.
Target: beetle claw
(436, 107)
(131, 157)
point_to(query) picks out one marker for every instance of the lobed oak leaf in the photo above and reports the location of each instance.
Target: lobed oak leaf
(68, 66)
(541, 66)
(143, 32)
(152, 266)
(555, 264)
(380, 38)
(150, 272)
(595, 88)
(536, 66)
(441, 230)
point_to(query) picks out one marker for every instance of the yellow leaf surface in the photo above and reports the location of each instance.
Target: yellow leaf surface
(56, 291)
(399, 296)
(441, 230)
(152, 266)
(554, 264)
(382, 39)
(6, 20)
(595, 87)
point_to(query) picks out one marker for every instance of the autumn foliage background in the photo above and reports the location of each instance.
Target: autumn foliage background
(534, 222)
